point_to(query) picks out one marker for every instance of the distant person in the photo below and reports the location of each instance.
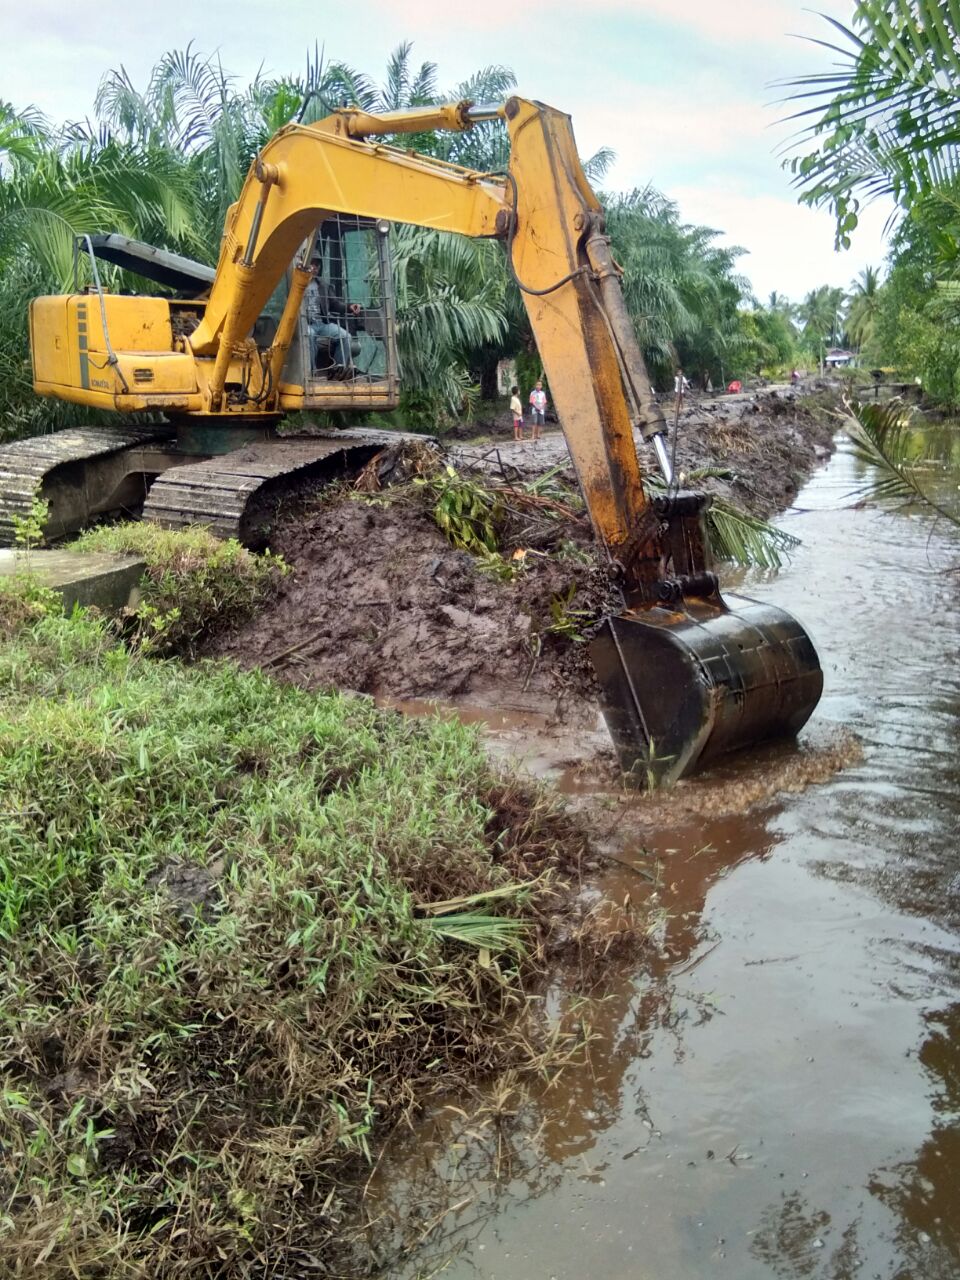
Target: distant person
(516, 408)
(794, 377)
(538, 409)
(680, 385)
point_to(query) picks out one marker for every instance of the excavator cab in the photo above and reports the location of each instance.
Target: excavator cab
(343, 353)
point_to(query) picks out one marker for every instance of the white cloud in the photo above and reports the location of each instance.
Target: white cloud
(679, 91)
(790, 246)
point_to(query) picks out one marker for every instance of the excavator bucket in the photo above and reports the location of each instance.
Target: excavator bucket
(686, 681)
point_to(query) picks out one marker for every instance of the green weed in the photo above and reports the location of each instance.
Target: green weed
(193, 582)
(242, 933)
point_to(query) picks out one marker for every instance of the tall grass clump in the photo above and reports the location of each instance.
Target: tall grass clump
(244, 928)
(192, 583)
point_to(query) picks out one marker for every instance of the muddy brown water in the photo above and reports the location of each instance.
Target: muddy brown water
(778, 1095)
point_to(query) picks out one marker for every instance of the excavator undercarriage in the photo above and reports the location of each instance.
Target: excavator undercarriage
(91, 473)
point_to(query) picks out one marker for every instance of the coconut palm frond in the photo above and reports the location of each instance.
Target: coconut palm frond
(597, 166)
(489, 84)
(903, 459)
(747, 540)
(885, 122)
(22, 133)
(734, 534)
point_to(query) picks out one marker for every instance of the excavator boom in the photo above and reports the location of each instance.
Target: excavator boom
(683, 676)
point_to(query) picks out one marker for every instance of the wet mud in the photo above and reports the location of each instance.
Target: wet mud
(774, 1091)
(379, 602)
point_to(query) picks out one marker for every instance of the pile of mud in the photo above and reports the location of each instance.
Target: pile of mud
(378, 601)
(757, 449)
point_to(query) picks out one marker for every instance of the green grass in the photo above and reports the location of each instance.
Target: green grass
(193, 582)
(219, 985)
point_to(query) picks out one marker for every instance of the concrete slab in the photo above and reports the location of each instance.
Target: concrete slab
(111, 582)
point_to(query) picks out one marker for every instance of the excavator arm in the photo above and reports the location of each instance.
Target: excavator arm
(552, 223)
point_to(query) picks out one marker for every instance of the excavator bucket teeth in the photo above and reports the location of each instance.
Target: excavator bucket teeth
(682, 685)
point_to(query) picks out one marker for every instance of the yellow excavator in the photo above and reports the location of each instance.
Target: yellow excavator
(299, 315)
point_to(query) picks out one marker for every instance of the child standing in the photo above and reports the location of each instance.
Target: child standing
(516, 408)
(538, 405)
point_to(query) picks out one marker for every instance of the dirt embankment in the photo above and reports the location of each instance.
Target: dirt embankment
(381, 603)
(768, 443)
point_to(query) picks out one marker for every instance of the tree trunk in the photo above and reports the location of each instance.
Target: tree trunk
(488, 376)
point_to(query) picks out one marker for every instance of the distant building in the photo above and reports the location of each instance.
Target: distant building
(506, 376)
(837, 358)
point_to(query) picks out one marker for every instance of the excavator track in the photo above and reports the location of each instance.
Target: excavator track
(77, 472)
(236, 495)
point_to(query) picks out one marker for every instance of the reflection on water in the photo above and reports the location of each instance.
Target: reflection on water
(779, 1096)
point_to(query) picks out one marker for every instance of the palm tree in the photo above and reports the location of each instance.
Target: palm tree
(54, 185)
(884, 123)
(779, 304)
(819, 317)
(863, 306)
(450, 301)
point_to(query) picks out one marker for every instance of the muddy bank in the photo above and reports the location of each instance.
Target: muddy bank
(766, 444)
(379, 602)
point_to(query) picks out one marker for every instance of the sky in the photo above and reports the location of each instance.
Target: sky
(685, 93)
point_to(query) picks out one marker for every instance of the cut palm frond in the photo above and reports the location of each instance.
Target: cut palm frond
(747, 540)
(456, 904)
(904, 459)
(736, 535)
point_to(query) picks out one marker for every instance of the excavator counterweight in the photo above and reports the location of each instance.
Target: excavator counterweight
(299, 315)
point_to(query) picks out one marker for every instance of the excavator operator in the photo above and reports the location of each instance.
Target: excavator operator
(327, 317)
(331, 320)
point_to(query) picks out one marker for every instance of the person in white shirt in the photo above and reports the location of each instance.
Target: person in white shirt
(538, 406)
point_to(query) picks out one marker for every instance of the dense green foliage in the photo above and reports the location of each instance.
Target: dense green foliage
(883, 123)
(217, 974)
(162, 163)
(192, 583)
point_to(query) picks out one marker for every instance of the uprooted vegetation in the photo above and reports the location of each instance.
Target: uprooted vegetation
(245, 928)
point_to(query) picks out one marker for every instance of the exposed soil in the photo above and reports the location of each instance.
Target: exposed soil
(769, 442)
(379, 601)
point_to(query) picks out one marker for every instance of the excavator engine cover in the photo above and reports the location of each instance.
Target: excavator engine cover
(684, 682)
